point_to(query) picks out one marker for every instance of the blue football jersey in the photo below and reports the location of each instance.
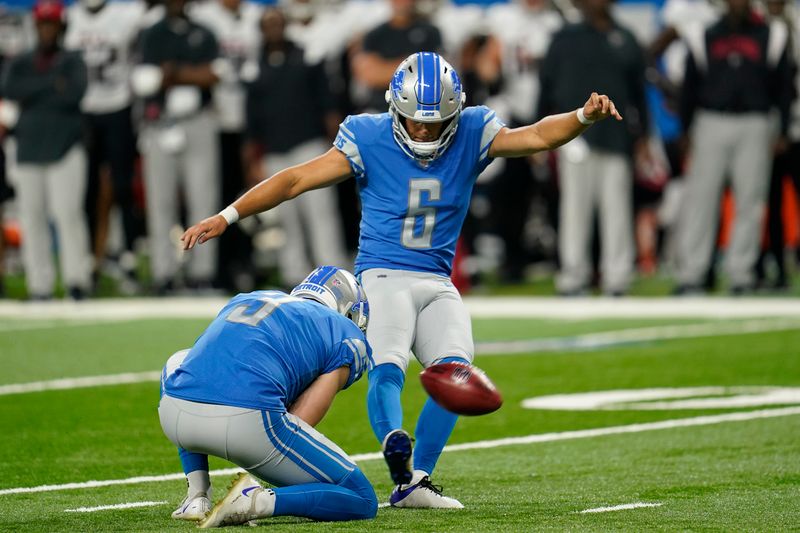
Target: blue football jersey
(411, 215)
(264, 349)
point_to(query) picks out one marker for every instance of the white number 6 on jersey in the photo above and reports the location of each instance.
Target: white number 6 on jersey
(416, 187)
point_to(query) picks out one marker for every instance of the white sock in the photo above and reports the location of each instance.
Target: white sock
(417, 476)
(265, 503)
(199, 483)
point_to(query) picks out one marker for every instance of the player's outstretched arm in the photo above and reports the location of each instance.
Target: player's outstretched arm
(554, 130)
(327, 169)
(314, 402)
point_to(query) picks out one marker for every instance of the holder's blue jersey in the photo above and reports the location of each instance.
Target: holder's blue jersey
(264, 349)
(411, 215)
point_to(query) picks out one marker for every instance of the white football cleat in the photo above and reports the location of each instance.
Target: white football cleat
(422, 495)
(238, 506)
(192, 508)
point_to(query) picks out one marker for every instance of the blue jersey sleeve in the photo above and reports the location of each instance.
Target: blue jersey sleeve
(485, 124)
(352, 351)
(347, 142)
(359, 352)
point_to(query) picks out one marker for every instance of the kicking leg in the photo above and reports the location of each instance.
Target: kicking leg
(386, 417)
(436, 336)
(383, 399)
(434, 426)
(390, 333)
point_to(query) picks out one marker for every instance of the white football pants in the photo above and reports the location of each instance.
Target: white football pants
(190, 161)
(591, 179)
(735, 145)
(415, 310)
(54, 190)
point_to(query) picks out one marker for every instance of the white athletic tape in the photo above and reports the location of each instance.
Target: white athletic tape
(479, 445)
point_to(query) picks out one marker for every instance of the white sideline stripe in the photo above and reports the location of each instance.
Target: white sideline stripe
(111, 482)
(50, 324)
(130, 505)
(623, 507)
(478, 306)
(81, 382)
(636, 335)
(479, 445)
(586, 341)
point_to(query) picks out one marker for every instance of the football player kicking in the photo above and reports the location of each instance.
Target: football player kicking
(415, 167)
(250, 389)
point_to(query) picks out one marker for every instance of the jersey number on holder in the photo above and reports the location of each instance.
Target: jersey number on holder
(416, 187)
(243, 314)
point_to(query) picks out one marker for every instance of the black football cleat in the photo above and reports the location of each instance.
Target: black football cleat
(397, 451)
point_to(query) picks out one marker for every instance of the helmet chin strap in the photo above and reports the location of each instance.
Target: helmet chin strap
(424, 152)
(424, 149)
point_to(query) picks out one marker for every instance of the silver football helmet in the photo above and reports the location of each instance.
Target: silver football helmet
(425, 88)
(337, 289)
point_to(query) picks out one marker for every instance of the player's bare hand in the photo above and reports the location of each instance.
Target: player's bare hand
(202, 231)
(600, 106)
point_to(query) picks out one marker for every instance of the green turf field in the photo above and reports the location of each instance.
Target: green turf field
(716, 475)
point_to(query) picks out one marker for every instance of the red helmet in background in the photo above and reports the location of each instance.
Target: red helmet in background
(48, 10)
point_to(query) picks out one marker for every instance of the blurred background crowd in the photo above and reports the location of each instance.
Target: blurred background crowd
(122, 121)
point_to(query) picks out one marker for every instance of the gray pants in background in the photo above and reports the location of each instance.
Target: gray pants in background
(183, 157)
(54, 190)
(725, 145)
(311, 221)
(591, 179)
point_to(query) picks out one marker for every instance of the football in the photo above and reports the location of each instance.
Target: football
(461, 389)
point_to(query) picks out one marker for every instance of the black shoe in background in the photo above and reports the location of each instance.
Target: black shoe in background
(76, 293)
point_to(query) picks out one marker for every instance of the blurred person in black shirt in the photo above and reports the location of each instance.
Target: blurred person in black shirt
(387, 45)
(48, 84)
(179, 142)
(737, 71)
(291, 118)
(595, 170)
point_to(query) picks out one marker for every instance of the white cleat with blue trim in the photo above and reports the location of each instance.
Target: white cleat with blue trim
(241, 504)
(192, 509)
(422, 494)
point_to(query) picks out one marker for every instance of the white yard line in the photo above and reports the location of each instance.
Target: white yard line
(605, 308)
(586, 341)
(623, 507)
(28, 325)
(606, 339)
(81, 382)
(130, 505)
(479, 307)
(479, 445)
(110, 482)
